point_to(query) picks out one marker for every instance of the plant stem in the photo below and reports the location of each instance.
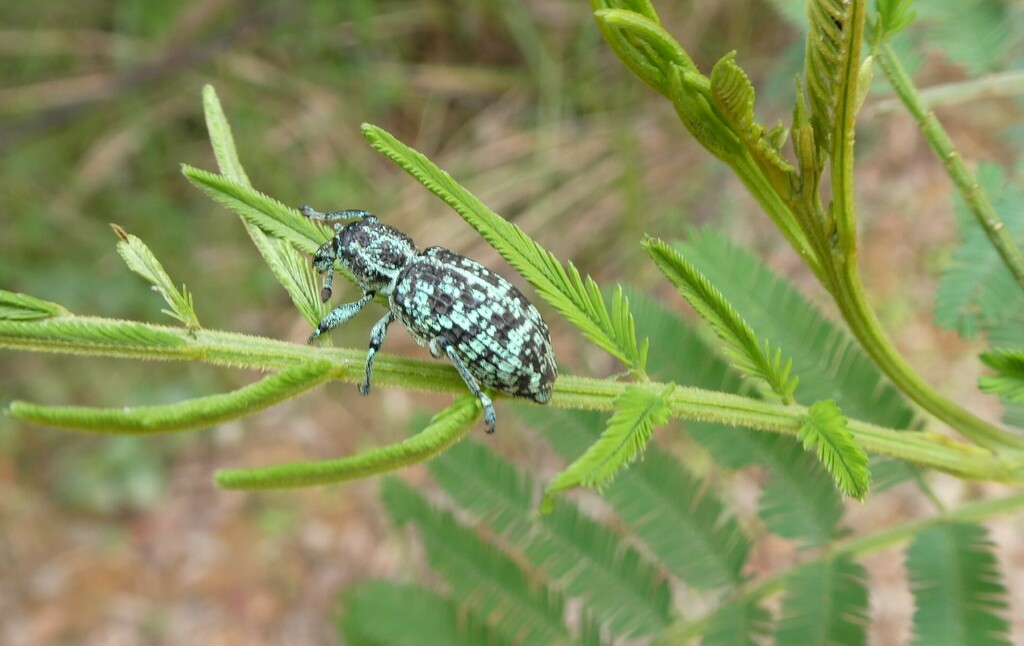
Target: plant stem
(976, 198)
(109, 337)
(752, 177)
(864, 325)
(843, 278)
(995, 85)
(844, 120)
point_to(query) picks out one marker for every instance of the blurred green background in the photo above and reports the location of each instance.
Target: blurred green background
(125, 540)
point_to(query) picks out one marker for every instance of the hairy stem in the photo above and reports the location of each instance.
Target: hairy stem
(977, 199)
(126, 339)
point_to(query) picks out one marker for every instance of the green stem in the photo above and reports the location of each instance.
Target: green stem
(108, 337)
(864, 324)
(683, 632)
(991, 86)
(976, 198)
(759, 187)
(844, 279)
(868, 330)
(844, 120)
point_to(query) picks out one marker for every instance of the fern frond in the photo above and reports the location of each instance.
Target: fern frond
(825, 427)
(200, 412)
(826, 35)
(734, 98)
(742, 347)
(582, 558)
(893, 17)
(67, 334)
(444, 429)
(635, 34)
(672, 512)
(826, 602)
(960, 598)
(221, 139)
(291, 269)
(369, 609)
(637, 411)
(577, 298)
(799, 502)
(141, 260)
(1008, 383)
(15, 306)
(740, 623)
(491, 586)
(977, 34)
(1006, 336)
(977, 290)
(269, 215)
(830, 363)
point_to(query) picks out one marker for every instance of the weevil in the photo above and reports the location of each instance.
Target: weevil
(452, 305)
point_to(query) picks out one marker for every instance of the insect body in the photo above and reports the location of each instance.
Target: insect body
(454, 306)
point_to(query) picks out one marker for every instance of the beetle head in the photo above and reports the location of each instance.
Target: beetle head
(374, 252)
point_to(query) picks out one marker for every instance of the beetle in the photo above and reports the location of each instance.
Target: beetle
(452, 305)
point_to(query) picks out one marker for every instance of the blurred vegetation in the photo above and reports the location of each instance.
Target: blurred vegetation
(99, 104)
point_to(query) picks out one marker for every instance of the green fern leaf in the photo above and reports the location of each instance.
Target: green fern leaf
(734, 98)
(673, 513)
(221, 139)
(579, 556)
(825, 427)
(291, 269)
(637, 37)
(957, 588)
(578, 299)
(141, 260)
(637, 411)
(829, 361)
(742, 347)
(826, 602)
(981, 35)
(121, 338)
(200, 412)
(894, 16)
(444, 429)
(295, 273)
(1006, 335)
(428, 619)
(977, 291)
(15, 306)
(266, 213)
(492, 587)
(826, 51)
(739, 623)
(1008, 383)
(799, 502)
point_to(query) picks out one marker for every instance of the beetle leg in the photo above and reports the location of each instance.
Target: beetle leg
(325, 291)
(489, 415)
(377, 335)
(340, 315)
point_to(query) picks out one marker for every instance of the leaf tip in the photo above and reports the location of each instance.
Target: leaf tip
(121, 233)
